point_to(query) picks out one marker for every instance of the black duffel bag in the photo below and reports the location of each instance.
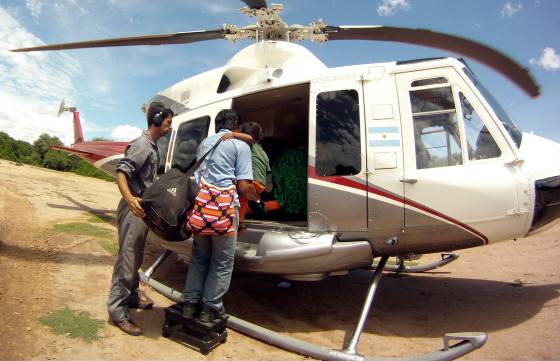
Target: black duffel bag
(168, 200)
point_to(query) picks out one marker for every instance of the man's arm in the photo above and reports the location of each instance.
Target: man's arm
(247, 190)
(244, 173)
(132, 201)
(135, 157)
(240, 136)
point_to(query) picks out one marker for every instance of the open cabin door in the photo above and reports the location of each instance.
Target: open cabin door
(189, 130)
(336, 191)
(460, 187)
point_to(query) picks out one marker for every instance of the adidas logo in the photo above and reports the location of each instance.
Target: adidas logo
(172, 191)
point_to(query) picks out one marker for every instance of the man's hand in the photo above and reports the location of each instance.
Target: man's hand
(135, 207)
(132, 201)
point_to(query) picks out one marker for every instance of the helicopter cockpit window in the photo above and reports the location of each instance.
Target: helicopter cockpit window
(338, 148)
(162, 144)
(436, 128)
(512, 128)
(431, 81)
(189, 135)
(480, 143)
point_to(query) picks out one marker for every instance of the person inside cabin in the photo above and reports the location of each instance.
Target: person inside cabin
(252, 133)
(136, 171)
(289, 173)
(227, 166)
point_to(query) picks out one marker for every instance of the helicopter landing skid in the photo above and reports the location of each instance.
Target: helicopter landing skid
(401, 267)
(464, 343)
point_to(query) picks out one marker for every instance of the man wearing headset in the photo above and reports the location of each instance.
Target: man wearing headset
(135, 172)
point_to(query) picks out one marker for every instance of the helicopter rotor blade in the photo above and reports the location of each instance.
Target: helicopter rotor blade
(255, 4)
(160, 39)
(482, 53)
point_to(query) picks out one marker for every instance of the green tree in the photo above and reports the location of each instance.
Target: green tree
(43, 144)
(15, 150)
(57, 160)
(7, 150)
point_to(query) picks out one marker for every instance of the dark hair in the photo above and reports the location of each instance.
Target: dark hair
(226, 119)
(154, 109)
(253, 129)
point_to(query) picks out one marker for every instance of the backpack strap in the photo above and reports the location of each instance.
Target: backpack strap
(199, 162)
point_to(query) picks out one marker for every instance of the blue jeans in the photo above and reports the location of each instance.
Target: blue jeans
(211, 266)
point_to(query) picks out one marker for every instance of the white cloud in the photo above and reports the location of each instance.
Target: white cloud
(509, 9)
(34, 7)
(32, 85)
(549, 60)
(391, 7)
(125, 132)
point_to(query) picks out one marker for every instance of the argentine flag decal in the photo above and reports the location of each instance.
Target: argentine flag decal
(384, 137)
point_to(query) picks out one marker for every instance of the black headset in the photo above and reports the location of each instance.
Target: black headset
(158, 119)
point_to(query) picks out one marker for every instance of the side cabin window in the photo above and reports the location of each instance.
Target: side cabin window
(436, 128)
(338, 148)
(189, 135)
(163, 145)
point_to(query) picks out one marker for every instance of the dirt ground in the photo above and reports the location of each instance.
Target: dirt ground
(509, 290)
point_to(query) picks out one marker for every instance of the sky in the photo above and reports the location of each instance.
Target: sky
(109, 85)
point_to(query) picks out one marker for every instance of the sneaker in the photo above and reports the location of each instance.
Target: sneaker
(211, 315)
(189, 310)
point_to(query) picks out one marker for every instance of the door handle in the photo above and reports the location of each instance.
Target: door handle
(409, 180)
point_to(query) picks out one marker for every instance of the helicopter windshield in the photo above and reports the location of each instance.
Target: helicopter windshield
(508, 123)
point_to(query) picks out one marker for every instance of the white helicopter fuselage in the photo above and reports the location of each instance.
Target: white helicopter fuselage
(401, 157)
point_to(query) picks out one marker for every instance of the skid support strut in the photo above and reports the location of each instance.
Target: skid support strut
(162, 257)
(401, 267)
(146, 278)
(353, 343)
(455, 345)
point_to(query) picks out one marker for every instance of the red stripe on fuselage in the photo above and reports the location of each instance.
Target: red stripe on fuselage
(343, 181)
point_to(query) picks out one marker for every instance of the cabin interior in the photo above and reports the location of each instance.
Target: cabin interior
(283, 114)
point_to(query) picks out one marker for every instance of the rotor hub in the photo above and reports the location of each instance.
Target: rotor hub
(270, 26)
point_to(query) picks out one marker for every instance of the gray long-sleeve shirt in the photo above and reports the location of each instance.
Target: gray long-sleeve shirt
(140, 163)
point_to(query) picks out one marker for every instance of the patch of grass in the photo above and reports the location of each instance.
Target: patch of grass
(96, 218)
(68, 322)
(110, 247)
(85, 229)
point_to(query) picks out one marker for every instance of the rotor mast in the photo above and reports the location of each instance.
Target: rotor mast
(270, 26)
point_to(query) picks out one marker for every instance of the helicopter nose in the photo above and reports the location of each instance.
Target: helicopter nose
(542, 158)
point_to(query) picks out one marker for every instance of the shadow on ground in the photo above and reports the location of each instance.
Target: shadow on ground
(105, 214)
(405, 305)
(34, 254)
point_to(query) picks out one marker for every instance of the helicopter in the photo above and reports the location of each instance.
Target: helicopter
(103, 154)
(400, 158)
